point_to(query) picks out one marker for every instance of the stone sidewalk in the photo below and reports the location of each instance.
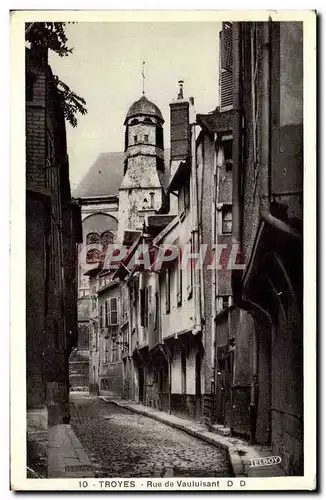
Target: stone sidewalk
(66, 456)
(239, 451)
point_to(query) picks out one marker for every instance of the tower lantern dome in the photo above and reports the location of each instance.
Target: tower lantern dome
(144, 107)
(143, 185)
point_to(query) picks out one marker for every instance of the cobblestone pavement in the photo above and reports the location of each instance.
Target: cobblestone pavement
(121, 443)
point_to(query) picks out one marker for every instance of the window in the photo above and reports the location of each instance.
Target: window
(115, 348)
(107, 319)
(106, 351)
(152, 199)
(226, 77)
(223, 302)
(93, 239)
(227, 219)
(227, 142)
(179, 282)
(93, 292)
(190, 273)
(226, 46)
(144, 307)
(135, 139)
(113, 311)
(146, 138)
(168, 290)
(101, 316)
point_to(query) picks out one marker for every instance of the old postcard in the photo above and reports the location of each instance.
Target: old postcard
(164, 198)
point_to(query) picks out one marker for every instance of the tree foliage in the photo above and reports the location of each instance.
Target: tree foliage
(53, 37)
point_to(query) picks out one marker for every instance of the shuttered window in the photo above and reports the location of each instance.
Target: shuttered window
(226, 89)
(226, 65)
(101, 316)
(114, 311)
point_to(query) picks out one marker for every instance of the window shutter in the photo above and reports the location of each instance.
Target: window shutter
(226, 65)
(107, 313)
(148, 297)
(142, 307)
(226, 46)
(167, 290)
(101, 316)
(190, 274)
(114, 311)
(179, 283)
(226, 89)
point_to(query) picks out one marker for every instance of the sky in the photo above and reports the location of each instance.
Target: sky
(105, 69)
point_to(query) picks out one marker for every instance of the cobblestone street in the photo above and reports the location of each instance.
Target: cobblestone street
(121, 443)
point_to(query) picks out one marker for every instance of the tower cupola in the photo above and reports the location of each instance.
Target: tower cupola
(142, 187)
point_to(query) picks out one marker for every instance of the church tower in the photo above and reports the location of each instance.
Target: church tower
(142, 186)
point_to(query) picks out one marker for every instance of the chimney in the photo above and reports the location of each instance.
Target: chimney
(180, 95)
(180, 130)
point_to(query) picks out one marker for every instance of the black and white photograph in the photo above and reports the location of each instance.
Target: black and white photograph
(163, 239)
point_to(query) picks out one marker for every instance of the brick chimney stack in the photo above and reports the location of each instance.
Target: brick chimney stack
(180, 130)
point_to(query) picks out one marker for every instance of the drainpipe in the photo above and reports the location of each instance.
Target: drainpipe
(214, 242)
(237, 135)
(264, 167)
(195, 227)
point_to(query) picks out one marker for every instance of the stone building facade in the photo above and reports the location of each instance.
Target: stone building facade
(53, 231)
(268, 226)
(171, 342)
(224, 344)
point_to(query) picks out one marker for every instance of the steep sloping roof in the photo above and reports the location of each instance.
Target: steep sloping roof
(144, 107)
(104, 177)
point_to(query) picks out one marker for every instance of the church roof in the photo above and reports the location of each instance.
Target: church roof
(144, 107)
(105, 176)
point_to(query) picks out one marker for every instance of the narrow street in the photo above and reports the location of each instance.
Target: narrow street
(121, 443)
